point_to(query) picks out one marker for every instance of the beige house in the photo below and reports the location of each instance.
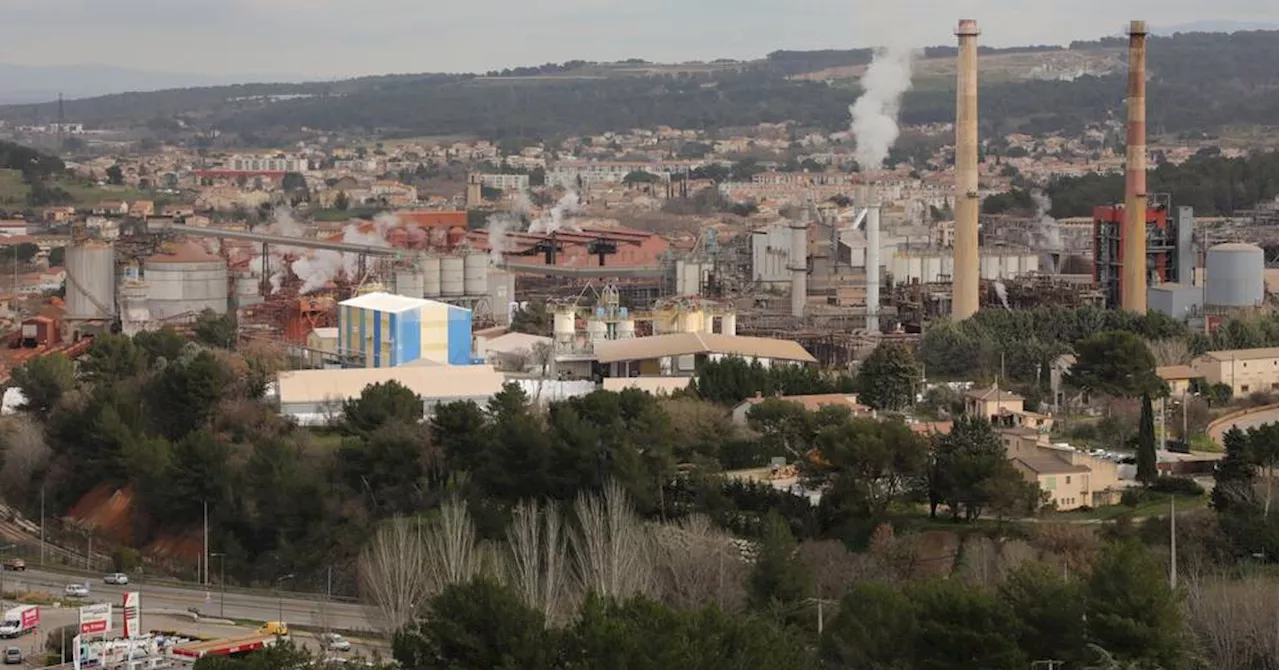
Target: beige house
(1004, 408)
(1178, 377)
(1244, 370)
(1071, 479)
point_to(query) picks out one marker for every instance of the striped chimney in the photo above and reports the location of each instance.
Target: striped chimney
(1133, 254)
(964, 280)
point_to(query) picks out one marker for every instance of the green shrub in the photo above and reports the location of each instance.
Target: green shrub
(1182, 485)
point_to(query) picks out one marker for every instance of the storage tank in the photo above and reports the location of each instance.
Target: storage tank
(430, 276)
(729, 324)
(247, 292)
(452, 276)
(596, 331)
(562, 327)
(409, 282)
(1233, 275)
(476, 274)
(626, 329)
(185, 280)
(91, 279)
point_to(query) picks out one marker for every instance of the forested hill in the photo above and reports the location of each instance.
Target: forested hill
(1200, 82)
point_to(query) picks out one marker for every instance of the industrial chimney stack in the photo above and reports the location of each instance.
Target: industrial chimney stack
(964, 280)
(799, 264)
(1133, 254)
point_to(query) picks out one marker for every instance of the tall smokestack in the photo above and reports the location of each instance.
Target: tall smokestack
(873, 268)
(964, 280)
(1133, 254)
(799, 264)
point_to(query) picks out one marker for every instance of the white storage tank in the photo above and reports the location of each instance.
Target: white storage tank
(626, 329)
(596, 331)
(476, 274)
(409, 282)
(452, 276)
(1233, 275)
(185, 280)
(430, 276)
(91, 279)
(729, 324)
(562, 326)
(247, 290)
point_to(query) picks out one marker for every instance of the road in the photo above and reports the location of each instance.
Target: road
(1250, 419)
(262, 606)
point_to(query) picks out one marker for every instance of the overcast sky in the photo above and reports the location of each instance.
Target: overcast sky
(333, 38)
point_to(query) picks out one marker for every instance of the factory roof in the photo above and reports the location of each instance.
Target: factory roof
(684, 344)
(386, 302)
(1243, 354)
(184, 252)
(429, 382)
(432, 218)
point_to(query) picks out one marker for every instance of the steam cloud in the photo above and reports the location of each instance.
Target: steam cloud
(1003, 293)
(1047, 229)
(875, 113)
(557, 218)
(317, 267)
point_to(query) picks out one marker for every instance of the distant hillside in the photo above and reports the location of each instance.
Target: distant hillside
(32, 84)
(1200, 82)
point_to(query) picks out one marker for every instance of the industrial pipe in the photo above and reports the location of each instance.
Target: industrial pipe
(873, 268)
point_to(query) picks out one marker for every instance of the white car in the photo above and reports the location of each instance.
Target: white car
(117, 578)
(77, 591)
(335, 642)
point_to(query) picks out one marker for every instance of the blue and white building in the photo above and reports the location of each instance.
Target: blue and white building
(387, 330)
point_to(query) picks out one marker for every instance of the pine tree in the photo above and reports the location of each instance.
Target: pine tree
(1147, 473)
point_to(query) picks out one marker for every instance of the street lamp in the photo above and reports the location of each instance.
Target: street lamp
(280, 595)
(222, 583)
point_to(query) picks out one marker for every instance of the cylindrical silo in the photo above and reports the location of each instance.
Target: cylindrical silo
(1233, 275)
(431, 277)
(729, 324)
(409, 282)
(476, 274)
(562, 327)
(91, 279)
(452, 276)
(184, 281)
(247, 289)
(626, 329)
(596, 331)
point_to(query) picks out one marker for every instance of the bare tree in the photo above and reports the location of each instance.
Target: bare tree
(393, 572)
(1235, 620)
(542, 355)
(453, 552)
(538, 558)
(612, 548)
(697, 564)
(1170, 351)
(25, 455)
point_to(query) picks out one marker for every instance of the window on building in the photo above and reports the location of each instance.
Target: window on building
(1068, 479)
(1244, 388)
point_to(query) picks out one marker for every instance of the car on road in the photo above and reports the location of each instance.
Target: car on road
(12, 656)
(117, 578)
(335, 642)
(77, 591)
(15, 564)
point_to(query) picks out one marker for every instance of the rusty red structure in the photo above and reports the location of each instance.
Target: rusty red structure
(1161, 247)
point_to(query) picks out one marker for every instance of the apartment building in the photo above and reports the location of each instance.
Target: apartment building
(506, 182)
(251, 163)
(569, 174)
(1068, 478)
(1244, 370)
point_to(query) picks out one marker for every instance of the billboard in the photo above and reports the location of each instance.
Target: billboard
(132, 615)
(95, 619)
(30, 617)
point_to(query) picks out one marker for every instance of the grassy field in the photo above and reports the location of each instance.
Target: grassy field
(13, 191)
(1156, 505)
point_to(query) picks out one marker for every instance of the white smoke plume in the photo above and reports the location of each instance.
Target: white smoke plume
(875, 113)
(559, 216)
(1003, 293)
(500, 224)
(1047, 229)
(317, 267)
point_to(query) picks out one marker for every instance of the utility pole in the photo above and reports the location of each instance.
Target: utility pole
(205, 581)
(1173, 545)
(222, 583)
(42, 525)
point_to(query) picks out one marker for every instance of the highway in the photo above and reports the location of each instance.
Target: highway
(259, 606)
